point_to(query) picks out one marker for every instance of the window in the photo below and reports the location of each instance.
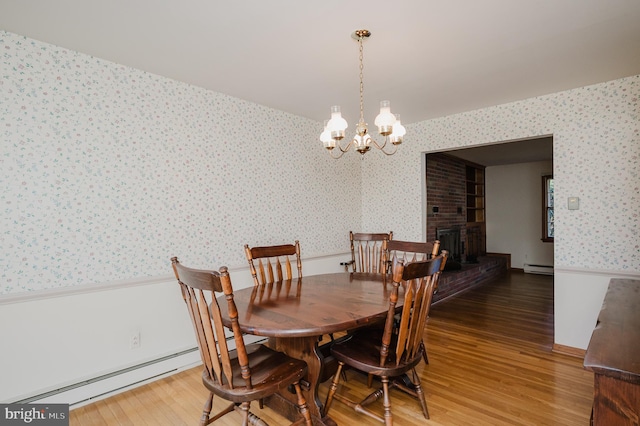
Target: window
(547, 209)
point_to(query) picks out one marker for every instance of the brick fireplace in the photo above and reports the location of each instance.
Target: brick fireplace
(447, 216)
(446, 195)
(448, 221)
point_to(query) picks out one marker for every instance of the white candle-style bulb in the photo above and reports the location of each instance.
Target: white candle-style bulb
(337, 125)
(325, 137)
(385, 120)
(398, 132)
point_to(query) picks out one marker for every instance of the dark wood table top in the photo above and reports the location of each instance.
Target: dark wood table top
(313, 305)
(614, 349)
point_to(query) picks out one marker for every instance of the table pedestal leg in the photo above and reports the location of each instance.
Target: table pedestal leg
(304, 348)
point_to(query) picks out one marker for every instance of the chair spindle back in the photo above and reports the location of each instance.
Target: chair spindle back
(418, 280)
(410, 251)
(271, 261)
(367, 252)
(199, 288)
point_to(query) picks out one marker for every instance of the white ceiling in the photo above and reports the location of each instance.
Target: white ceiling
(430, 58)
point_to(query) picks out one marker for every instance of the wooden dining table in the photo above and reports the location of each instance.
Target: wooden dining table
(295, 315)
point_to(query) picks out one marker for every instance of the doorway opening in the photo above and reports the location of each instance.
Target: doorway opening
(493, 194)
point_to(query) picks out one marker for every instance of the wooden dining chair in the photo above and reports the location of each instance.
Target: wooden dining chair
(398, 351)
(367, 252)
(245, 374)
(411, 251)
(271, 261)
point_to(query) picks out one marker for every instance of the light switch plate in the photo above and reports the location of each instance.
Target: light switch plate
(574, 203)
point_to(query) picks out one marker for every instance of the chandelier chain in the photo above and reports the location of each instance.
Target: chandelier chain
(361, 80)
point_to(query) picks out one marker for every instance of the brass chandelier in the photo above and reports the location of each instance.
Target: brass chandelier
(388, 124)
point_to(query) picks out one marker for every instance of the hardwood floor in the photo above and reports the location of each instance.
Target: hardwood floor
(490, 363)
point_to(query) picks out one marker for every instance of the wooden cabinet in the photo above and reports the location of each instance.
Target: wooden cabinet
(613, 355)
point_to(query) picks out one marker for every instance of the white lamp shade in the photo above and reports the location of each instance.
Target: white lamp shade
(398, 132)
(325, 138)
(337, 123)
(385, 118)
(398, 128)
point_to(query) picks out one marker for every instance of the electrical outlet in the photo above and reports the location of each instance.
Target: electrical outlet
(134, 340)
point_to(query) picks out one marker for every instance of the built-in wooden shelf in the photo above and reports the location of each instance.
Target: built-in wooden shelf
(475, 206)
(475, 194)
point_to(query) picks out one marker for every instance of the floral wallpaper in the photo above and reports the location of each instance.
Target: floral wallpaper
(108, 171)
(596, 136)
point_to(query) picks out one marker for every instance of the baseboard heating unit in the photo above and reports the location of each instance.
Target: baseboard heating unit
(91, 390)
(100, 387)
(538, 269)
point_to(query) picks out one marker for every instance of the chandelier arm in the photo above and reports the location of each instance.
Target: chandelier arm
(340, 148)
(347, 148)
(390, 153)
(381, 147)
(335, 157)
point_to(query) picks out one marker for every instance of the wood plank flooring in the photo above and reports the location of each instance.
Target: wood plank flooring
(490, 363)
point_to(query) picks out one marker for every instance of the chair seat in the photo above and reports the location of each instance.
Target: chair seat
(270, 372)
(362, 352)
